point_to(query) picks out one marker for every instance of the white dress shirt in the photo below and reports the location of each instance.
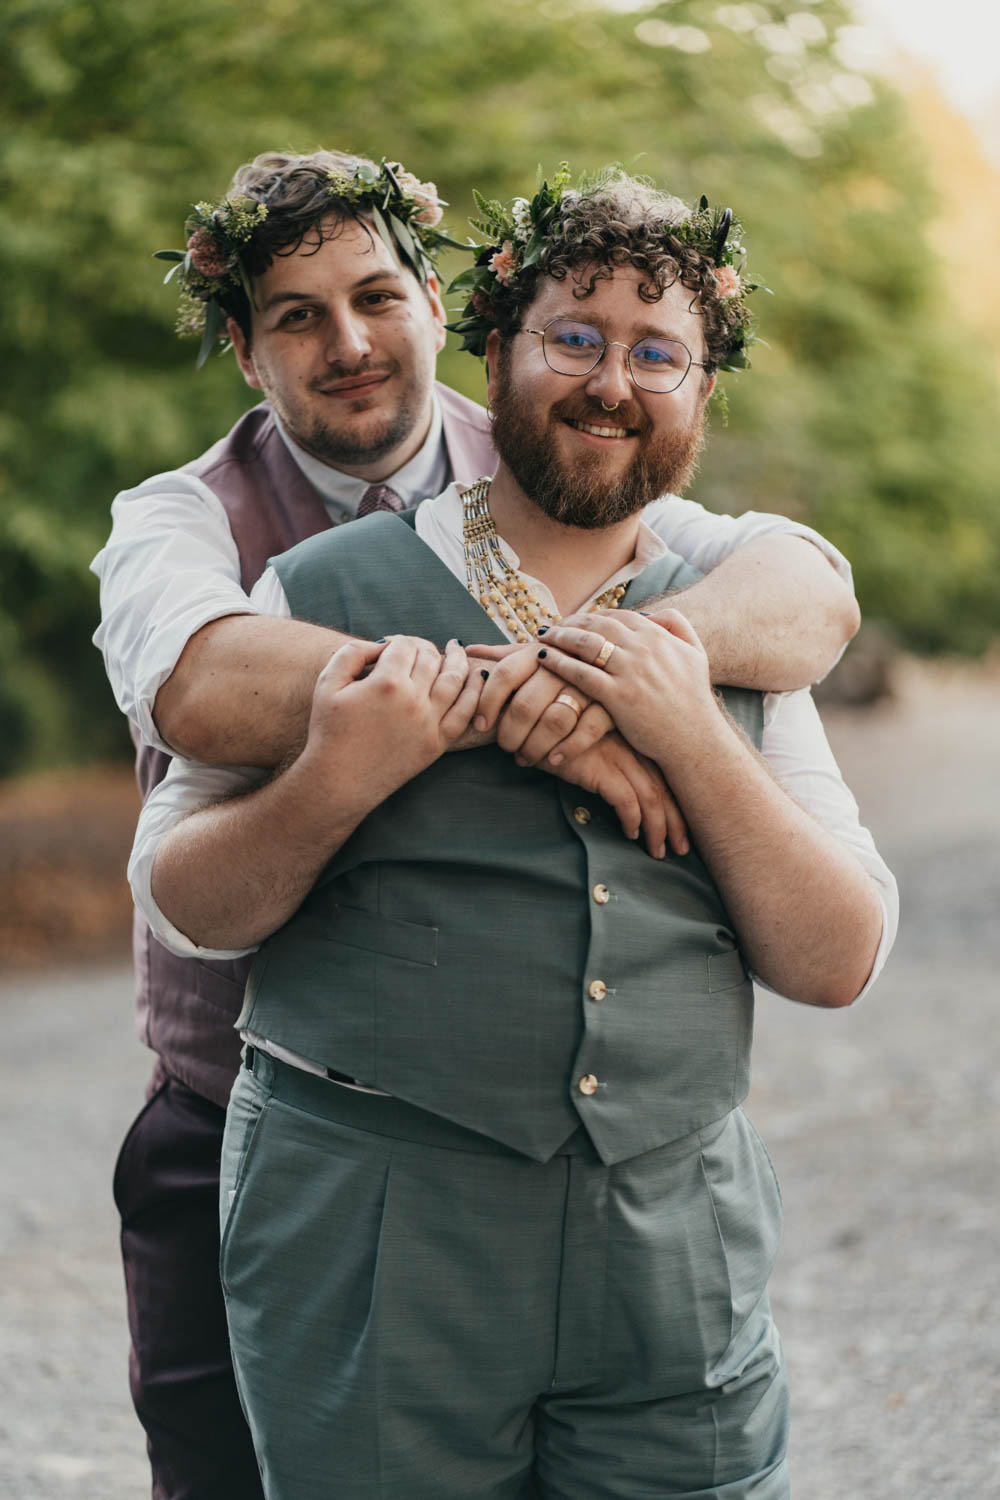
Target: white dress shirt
(171, 566)
(794, 744)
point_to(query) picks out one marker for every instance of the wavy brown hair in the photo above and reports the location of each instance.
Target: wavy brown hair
(297, 194)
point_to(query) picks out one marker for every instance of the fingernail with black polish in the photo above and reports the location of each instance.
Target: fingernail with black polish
(461, 643)
(541, 630)
(541, 654)
(483, 673)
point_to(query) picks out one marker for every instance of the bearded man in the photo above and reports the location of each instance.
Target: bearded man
(495, 1223)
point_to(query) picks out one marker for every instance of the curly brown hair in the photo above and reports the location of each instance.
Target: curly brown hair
(623, 222)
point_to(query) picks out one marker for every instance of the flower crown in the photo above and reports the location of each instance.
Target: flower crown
(212, 271)
(518, 232)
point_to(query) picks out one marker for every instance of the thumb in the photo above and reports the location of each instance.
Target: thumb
(679, 625)
(349, 662)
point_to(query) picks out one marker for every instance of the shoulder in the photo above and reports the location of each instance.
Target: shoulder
(244, 443)
(459, 409)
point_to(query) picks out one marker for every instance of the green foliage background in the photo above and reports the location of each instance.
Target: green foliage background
(870, 414)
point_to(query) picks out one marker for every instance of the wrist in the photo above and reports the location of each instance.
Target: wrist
(702, 734)
(320, 801)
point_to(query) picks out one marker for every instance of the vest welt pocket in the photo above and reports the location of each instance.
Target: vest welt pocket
(377, 934)
(222, 991)
(725, 971)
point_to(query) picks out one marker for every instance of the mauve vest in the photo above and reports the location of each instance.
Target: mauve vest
(186, 1009)
(488, 937)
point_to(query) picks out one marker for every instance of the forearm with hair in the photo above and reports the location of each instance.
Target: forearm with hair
(807, 913)
(230, 874)
(242, 689)
(773, 615)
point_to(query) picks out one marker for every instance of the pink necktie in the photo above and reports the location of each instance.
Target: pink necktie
(379, 497)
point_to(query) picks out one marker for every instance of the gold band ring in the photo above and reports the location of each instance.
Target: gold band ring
(604, 655)
(570, 702)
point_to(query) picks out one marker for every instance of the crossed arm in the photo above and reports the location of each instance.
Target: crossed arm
(773, 615)
(807, 913)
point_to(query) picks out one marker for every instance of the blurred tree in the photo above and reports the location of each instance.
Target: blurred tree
(868, 414)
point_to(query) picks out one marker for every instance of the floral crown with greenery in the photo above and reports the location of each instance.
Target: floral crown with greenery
(520, 231)
(212, 271)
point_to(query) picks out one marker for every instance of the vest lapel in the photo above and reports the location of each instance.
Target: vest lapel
(327, 579)
(663, 573)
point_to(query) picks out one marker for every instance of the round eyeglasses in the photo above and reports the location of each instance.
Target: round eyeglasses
(654, 364)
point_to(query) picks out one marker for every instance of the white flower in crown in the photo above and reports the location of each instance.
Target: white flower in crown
(520, 212)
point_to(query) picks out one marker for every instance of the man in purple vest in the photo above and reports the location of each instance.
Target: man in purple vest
(319, 270)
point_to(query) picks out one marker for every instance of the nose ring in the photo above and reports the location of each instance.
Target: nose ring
(606, 407)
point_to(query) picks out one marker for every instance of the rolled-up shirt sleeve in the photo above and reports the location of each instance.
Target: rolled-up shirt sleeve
(187, 786)
(704, 539)
(169, 567)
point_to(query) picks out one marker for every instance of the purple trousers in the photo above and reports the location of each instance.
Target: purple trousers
(167, 1191)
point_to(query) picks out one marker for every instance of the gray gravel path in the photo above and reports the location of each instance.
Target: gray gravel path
(883, 1123)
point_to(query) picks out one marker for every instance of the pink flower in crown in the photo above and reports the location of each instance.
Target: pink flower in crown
(409, 185)
(423, 193)
(727, 279)
(503, 264)
(206, 255)
(431, 210)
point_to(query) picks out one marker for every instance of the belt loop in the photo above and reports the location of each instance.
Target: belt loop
(259, 1064)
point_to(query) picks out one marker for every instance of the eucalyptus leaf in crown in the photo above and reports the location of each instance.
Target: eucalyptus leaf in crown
(519, 231)
(213, 270)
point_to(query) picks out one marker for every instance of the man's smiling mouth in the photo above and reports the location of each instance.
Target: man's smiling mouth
(352, 384)
(605, 432)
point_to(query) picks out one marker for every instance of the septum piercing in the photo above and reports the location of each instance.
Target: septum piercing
(606, 407)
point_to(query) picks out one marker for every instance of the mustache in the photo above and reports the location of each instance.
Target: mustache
(588, 409)
(338, 371)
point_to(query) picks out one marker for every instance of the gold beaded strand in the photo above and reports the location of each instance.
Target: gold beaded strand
(503, 591)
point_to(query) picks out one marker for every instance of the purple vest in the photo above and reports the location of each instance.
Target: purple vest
(187, 1009)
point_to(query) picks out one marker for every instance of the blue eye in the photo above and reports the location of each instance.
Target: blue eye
(659, 354)
(574, 338)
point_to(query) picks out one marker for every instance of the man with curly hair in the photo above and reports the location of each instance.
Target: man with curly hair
(495, 1222)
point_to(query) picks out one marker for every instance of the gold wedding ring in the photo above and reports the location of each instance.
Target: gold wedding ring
(570, 702)
(604, 655)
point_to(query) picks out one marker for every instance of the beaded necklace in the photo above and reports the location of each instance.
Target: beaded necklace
(503, 591)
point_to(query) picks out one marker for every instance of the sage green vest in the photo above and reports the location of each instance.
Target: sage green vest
(447, 953)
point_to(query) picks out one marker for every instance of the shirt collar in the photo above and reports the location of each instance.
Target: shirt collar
(428, 472)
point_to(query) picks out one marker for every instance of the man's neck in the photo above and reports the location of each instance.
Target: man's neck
(571, 561)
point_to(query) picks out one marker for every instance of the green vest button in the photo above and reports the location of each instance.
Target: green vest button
(582, 815)
(588, 1084)
(602, 895)
(597, 989)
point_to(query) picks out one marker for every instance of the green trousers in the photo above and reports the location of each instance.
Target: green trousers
(417, 1313)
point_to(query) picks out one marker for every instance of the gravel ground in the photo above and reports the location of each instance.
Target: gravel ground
(883, 1123)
